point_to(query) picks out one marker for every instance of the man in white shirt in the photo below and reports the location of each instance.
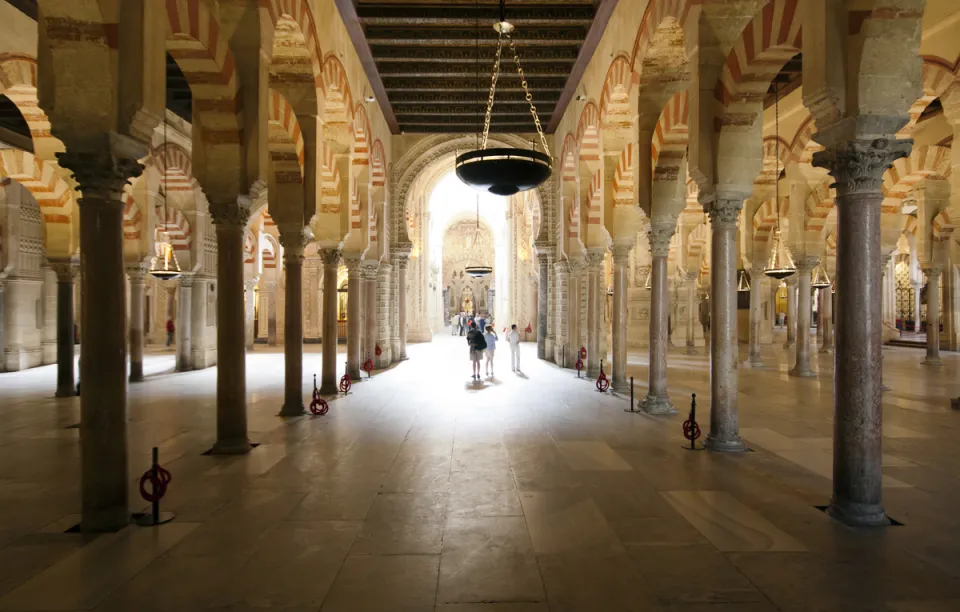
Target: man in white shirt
(513, 338)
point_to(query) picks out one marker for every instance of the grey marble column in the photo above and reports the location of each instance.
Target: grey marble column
(573, 312)
(136, 275)
(3, 303)
(692, 322)
(328, 377)
(230, 218)
(250, 307)
(657, 400)
(184, 339)
(543, 310)
(791, 312)
(594, 305)
(826, 319)
(272, 308)
(805, 266)
(724, 419)
(370, 315)
(384, 303)
(756, 318)
(354, 308)
(621, 254)
(65, 271)
(917, 305)
(402, 304)
(293, 245)
(933, 316)
(857, 167)
(104, 477)
(563, 353)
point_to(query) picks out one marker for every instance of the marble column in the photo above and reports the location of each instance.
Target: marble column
(857, 167)
(791, 321)
(3, 302)
(370, 332)
(917, 305)
(328, 375)
(756, 318)
(562, 352)
(543, 313)
(184, 339)
(573, 312)
(230, 218)
(621, 254)
(136, 275)
(66, 271)
(250, 306)
(692, 322)
(354, 308)
(933, 316)
(818, 292)
(293, 245)
(402, 304)
(826, 319)
(594, 307)
(384, 304)
(657, 400)
(805, 266)
(271, 290)
(724, 420)
(774, 289)
(102, 174)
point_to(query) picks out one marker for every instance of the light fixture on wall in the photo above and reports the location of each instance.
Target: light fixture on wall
(743, 282)
(475, 267)
(164, 265)
(781, 264)
(505, 171)
(820, 278)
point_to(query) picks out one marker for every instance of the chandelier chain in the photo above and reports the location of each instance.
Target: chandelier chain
(493, 90)
(528, 96)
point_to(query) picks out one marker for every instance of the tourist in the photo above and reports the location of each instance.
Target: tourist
(513, 338)
(462, 323)
(454, 323)
(170, 330)
(481, 322)
(477, 345)
(490, 337)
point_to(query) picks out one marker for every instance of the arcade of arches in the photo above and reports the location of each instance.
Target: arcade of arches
(294, 159)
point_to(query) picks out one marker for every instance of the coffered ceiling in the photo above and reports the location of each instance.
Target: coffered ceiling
(432, 59)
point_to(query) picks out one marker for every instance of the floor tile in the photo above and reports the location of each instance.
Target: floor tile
(385, 583)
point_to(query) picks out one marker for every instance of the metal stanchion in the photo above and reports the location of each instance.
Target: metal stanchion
(631, 409)
(159, 479)
(691, 430)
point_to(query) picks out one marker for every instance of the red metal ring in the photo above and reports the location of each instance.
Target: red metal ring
(159, 486)
(319, 406)
(345, 384)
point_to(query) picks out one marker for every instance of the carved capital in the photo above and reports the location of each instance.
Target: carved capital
(621, 253)
(806, 263)
(659, 237)
(186, 281)
(594, 259)
(352, 262)
(858, 165)
(229, 214)
(249, 284)
(101, 174)
(562, 267)
(725, 211)
(136, 272)
(293, 245)
(933, 271)
(330, 257)
(66, 271)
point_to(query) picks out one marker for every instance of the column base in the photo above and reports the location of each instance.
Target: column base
(106, 521)
(826, 350)
(753, 361)
(858, 515)
(802, 372)
(136, 371)
(66, 392)
(330, 389)
(620, 386)
(732, 444)
(692, 350)
(292, 410)
(657, 404)
(932, 361)
(231, 447)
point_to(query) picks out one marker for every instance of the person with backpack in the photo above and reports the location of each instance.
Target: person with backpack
(477, 346)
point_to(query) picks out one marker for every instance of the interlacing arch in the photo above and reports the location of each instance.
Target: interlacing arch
(766, 44)
(332, 182)
(588, 133)
(670, 138)
(285, 140)
(936, 80)
(378, 165)
(175, 167)
(615, 95)
(42, 179)
(175, 225)
(653, 16)
(775, 159)
(802, 147)
(338, 100)
(623, 180)
(300, 13)
(820, 201)
(923, 162)
(361, 137)
(18, 81)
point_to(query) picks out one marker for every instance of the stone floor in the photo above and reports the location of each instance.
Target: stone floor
(422, 490)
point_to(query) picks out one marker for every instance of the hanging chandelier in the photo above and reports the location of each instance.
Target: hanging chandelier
(743, 282)
(504, 171)
(780, 265)
(820, 278)
(164, 265)
(475, 267)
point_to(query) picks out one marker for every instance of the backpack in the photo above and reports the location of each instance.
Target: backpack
(479, 343)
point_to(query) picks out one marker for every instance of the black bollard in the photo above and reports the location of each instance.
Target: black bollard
(563, 356)
(693, 419)
(631, 396)
(156, 474)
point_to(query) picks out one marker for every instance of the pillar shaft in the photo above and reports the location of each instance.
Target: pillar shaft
(328, 378)
(933, 316)
(383, 315)
(594, 304)
(65, 341)
(135, 321)
(354, 308)
(293, 245)
(183, 329)
(230, 220)
(657, 400)
(543, 311)
(858, 168)
(691, 314)
(791, 312)
(371, 332)
(804, 311)
(724, 421)
(563, 352)
(250, 307)
(621, 254)
(402, 304)
(756, 317)
(826, 319)
(573, 313)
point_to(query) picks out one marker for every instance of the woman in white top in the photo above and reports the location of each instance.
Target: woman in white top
(491, 338)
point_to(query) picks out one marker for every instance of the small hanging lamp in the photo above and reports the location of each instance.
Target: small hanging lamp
(781, 264)
(164, 265)
(505, 171)
(820, 278)
(743, 282)
(476, 269)
(648, 284)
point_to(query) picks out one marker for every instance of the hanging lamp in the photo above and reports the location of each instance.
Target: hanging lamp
(820, 278)
(780, 265)
(743, 282)
(504, 171)
(164, 265)
(477, 269)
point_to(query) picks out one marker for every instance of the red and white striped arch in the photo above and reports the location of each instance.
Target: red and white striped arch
(285, 140)
(831, 245)
(820, 201)
(196, 42)
(670, 138)
(249, 248)
(775, 159)
(361, 137)
(944, 224)
(372, 226)
(332, 183)
(765, 219)
(355, 222)
(802, 147)
(615, 95)
(653, 16)
(588, 133)
(771, 38)
(269, 259)
(936, 80)
(300, 13)
(378, 165)
(573, 219)
(18, 81)
(623, 179)
(132, 218)
(174, 164)
(923, 162)
(338, 100)
(568, 158)
(42, 179)
(595, 199)
(175, 225)
(910, 225)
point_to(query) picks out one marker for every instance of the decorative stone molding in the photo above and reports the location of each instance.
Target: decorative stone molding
(186, 281)
(858, 165)
(594, 259)
(229, 214)
(293, 245)
(621, 253)
(329, 257)
(725, 211)
(806, 263)
(66, 271)
(136, 272)
(659, 237)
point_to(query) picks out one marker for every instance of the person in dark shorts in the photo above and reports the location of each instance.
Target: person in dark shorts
(477, 346)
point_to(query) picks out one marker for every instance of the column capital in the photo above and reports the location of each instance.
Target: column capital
(369, 267)
(401, 249)
(186, 281)
(562, 267)
(933, 271)
(137, 271)
(857, 165)
(229, 214)
(659, 236)
(65, 270)
(806, 263)
(724, 211)
(352, 262)
(250, 283)
(330, 257)
(594, 258)
(104, 170)
(621, 252)
(293, 243)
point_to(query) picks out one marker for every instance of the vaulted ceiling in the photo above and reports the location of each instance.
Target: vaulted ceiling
(432, 59)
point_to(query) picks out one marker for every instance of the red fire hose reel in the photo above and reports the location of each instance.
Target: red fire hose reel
(345, 384)
(159, 478)
(319, 405)
(377, 350)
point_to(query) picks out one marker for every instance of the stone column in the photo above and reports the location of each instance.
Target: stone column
(564, 351)
(384, 304)
(756, 318)
(657, 400)
(102, 174)
(819, 342)
(3, 345)
(805, 266)
(271, 314)
(293, 245)
(621, 254)
(933, 316)
(184, 340)
(250, 305)
(543, 285)
(230, 218)
(354, 308)
(858, 167)
(573, 312)
(826, 319)
(136, 275)
(774, 289)
(370, 334)
(402, 303)
(594, 306)
(692, 322)
(328, 376)
(66, 271)
(917, 305)
(724, 421)
(791, 312)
